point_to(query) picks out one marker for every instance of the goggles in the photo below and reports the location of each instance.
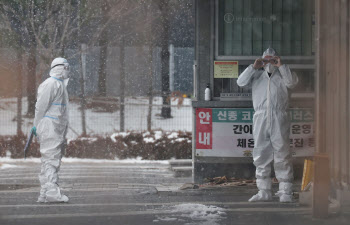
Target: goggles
(270, 60)
(65, 66)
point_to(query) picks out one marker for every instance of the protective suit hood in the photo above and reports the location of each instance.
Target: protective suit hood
(269, 52)
(60, 69)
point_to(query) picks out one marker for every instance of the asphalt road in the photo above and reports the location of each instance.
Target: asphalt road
(120, 193)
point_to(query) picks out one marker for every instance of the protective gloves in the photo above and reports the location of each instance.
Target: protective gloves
(33, 130)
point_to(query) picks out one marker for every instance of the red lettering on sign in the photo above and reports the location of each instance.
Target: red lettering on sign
(204, 128)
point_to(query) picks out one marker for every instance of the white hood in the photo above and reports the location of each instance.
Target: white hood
(60, 68)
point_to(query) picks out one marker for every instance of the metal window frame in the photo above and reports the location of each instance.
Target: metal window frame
(297, 62)
(239, 57)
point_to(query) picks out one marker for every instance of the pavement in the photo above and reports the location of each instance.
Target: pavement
(138, 193)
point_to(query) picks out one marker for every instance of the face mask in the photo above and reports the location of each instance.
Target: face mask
(66, 74)
(270, 68)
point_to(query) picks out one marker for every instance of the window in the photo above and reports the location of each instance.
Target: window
(246, 28)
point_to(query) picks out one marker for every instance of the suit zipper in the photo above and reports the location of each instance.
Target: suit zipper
(268, 104)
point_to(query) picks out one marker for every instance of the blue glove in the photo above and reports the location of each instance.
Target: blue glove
(33, 130)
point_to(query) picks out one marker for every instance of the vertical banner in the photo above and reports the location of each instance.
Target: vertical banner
(204, 128)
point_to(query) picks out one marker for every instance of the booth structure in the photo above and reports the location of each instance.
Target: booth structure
(230, 35)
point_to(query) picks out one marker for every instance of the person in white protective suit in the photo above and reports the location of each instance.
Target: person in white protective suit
(50, 125)
(271, 82)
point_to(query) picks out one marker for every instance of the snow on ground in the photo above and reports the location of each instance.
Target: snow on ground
(104, 123)
(119, 134)
(7, 166)
(173, 135)
(137, 160)
(147, 137)
(203, 214)
(148, 140)
(158, 134)
(88, 139)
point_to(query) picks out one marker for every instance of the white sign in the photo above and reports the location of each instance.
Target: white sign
(229, 132)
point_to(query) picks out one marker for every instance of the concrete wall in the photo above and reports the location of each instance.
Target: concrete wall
(333, 87)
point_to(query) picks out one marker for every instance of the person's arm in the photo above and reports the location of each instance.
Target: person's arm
(245, 78)
(289, 79)
(46, 95)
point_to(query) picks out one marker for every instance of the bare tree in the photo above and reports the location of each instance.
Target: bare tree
(164, 44)
(103, 41)
(43, 27)
(116, 12)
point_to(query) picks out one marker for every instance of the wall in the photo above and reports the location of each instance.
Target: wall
(333, 96)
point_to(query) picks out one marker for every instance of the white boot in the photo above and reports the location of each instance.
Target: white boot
(261, 196)
(264, 194)
(285, 192)
(62, 198)
(284, 198)
(278, 193)
(42, 196)
(53, 194)
(41, 199)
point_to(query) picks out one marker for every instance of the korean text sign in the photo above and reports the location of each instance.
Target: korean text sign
(223, 132)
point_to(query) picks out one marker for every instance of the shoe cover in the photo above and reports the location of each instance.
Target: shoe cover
(53, 194)
(261, 196)
(42, 196)
(62, 198)
(41, 199)
(286, 198)
(264, 184)
(278, 193)
(285, 188)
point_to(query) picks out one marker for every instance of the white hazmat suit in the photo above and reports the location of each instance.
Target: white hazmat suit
(51, 122)
(271, 126)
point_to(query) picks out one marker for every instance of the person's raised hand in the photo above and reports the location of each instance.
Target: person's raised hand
(278, 62)
(258, 64)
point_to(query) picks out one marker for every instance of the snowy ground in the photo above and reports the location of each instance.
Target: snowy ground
(99, 123)
(83, 176)
(134, 192)
(202, 214)
(6, 161)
